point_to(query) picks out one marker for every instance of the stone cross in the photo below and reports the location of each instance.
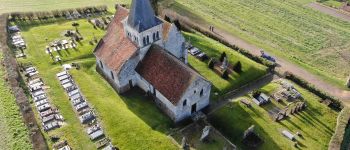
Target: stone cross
(205, 133)
(224, 64)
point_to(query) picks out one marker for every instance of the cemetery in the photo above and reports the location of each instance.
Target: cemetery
(304, 126)
(49, 115)
(249, 71)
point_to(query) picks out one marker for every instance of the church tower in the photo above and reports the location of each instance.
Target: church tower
(142, 26)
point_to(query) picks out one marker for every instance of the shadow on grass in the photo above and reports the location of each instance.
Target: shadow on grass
(232, 122)
(145, 108)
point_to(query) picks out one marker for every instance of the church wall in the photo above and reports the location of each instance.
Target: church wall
(175, 44)
(162, 102)
(192, 96)
(127, 73)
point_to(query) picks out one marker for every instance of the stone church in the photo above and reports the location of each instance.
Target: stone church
(143, 50)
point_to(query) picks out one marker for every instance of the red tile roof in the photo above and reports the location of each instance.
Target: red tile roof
(167, 74)
(115, 48)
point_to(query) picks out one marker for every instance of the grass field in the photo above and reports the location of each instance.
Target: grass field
(14, 133)
(48, 5)
(316, 123)
(131, 121)
(250, 69)
(288, 29)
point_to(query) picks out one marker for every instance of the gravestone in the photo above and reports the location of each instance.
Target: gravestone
(348, 83)
(205, 133)
(184, 144)
(224, 64)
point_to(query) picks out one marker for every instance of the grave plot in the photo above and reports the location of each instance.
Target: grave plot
(49, 115)
(86, 114)
(201, 135)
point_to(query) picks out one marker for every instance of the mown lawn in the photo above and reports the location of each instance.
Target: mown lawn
(131, 121)
(316, 123)
(49, 5)
(13, 131)
(289, 29)
(250, 69)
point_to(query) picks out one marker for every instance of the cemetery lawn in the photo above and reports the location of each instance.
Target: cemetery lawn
(250, 70)
(130, 121)
(316, 123)
(13, 131)
(331, 3)
(287, 29)
(49, 5)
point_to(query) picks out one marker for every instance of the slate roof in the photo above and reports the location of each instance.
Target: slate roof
(115, 48)
(142, 16)
(167, 74)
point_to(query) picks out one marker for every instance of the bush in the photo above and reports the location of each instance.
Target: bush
(222, 57)
(237, 67)
(225, 75)
(211, 63)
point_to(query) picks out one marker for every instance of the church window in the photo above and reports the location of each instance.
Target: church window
(154, 37)
(147, 39)
(112, 75)
(201, 93)
(157, 35)
(184, 103)
(144, 41)
(195, 92)
(101, 64)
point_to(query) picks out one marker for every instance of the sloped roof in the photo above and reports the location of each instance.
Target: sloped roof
(142, 16)
(115, 48)
(167, 74)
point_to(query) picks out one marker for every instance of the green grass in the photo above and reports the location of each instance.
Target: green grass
(316, 123)
(332, 3)
(131, 121)
(48, 5)
(288, 29)
(14, 133)
(250, 69)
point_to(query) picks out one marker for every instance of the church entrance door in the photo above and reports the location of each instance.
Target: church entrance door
(194, 108)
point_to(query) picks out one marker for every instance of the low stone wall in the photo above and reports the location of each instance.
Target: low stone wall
(338, 137)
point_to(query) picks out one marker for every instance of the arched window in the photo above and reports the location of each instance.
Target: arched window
(154, 37)
(112, 75)
(201, 93)
(144, 41)
(158, 35)
(184, 103)
(101, 64)
(147, 39)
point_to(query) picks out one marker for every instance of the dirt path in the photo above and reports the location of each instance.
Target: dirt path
(330, 11)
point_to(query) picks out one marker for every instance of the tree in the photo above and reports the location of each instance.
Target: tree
(256, 93)
(166, 18)
(222, 57)
(225, 75)
(237, 67)
(177, 24)
(211, 63)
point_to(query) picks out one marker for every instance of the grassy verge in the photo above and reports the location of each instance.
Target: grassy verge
(48, 5)
(316, 123)
(331, 3)
(14, 134)
(250, 69)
